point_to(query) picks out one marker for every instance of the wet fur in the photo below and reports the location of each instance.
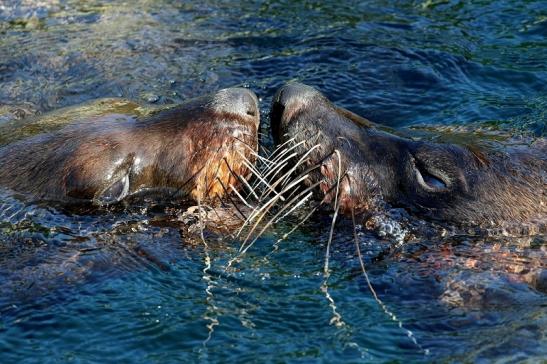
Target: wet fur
(189, 151)
(483, 187)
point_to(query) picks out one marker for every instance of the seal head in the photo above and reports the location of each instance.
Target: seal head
(197, 150)
(444, 182)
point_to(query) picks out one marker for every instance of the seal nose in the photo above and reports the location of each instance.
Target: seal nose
(286, 101)
(251, 101)
(238, 100)
(292, 92)
(248, 99)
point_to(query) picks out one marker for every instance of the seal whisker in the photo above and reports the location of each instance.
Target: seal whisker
(311, 169)
(251, 190)
(185, 183)
(281, 146)
(265, 150)
(296, 181)
(239, 195)
(300, 203)
(269, 203)
(257, 174)
(222, 203)
(300, 223)
(267, 171)
(309, 152)
(278, 157)
(208, 190)
(390, 314)
(275, 218)
(262, 158)
(279, 168)
(264, 210)
(253, 152)
(306, 172)
(336, 318)
(275, 163)
(231, 200)
(290, 171)
(314, 167)
(235, 175)
(285, 178)
(213, 320)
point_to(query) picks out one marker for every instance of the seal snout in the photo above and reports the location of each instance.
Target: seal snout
(248, 99)
(294, 92)
(287, 101)
(238, 100)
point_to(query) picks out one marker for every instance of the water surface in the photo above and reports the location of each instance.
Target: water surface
(127, 286)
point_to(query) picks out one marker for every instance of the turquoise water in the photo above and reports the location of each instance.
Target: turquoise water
(127, 286)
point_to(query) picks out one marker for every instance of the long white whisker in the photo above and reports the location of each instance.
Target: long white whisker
(213, 320)
(336, 317)
(274, 171)
(249, 165)
(267, 206)
(265, 150)
(281, 146)
(265, 176)
(271, 169)
(278, 157)
(300, 203)
(254, 153)
(307, 171)
(231, 200)
(290, 171)
(251, 190)
(390, 314)
(286, 235)
(274, 168)
(240, 197)
(257, 174)
(284, 151)
(276, 218)
(256, 211)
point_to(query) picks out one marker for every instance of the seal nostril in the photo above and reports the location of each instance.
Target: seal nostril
(276, 113)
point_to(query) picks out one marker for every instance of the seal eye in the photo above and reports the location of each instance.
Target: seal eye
(427, 180)
(433, 182)
(251, 112)
(115, 192)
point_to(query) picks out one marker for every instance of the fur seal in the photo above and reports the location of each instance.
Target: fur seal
(444, 182)
(194, 150)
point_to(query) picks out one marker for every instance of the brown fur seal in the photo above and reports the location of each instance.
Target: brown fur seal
(444, 182)
(195, 150)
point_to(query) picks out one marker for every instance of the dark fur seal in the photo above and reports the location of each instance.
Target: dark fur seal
(194, 150)
(449, 183)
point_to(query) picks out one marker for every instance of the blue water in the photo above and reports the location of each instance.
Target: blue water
(126, 286)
